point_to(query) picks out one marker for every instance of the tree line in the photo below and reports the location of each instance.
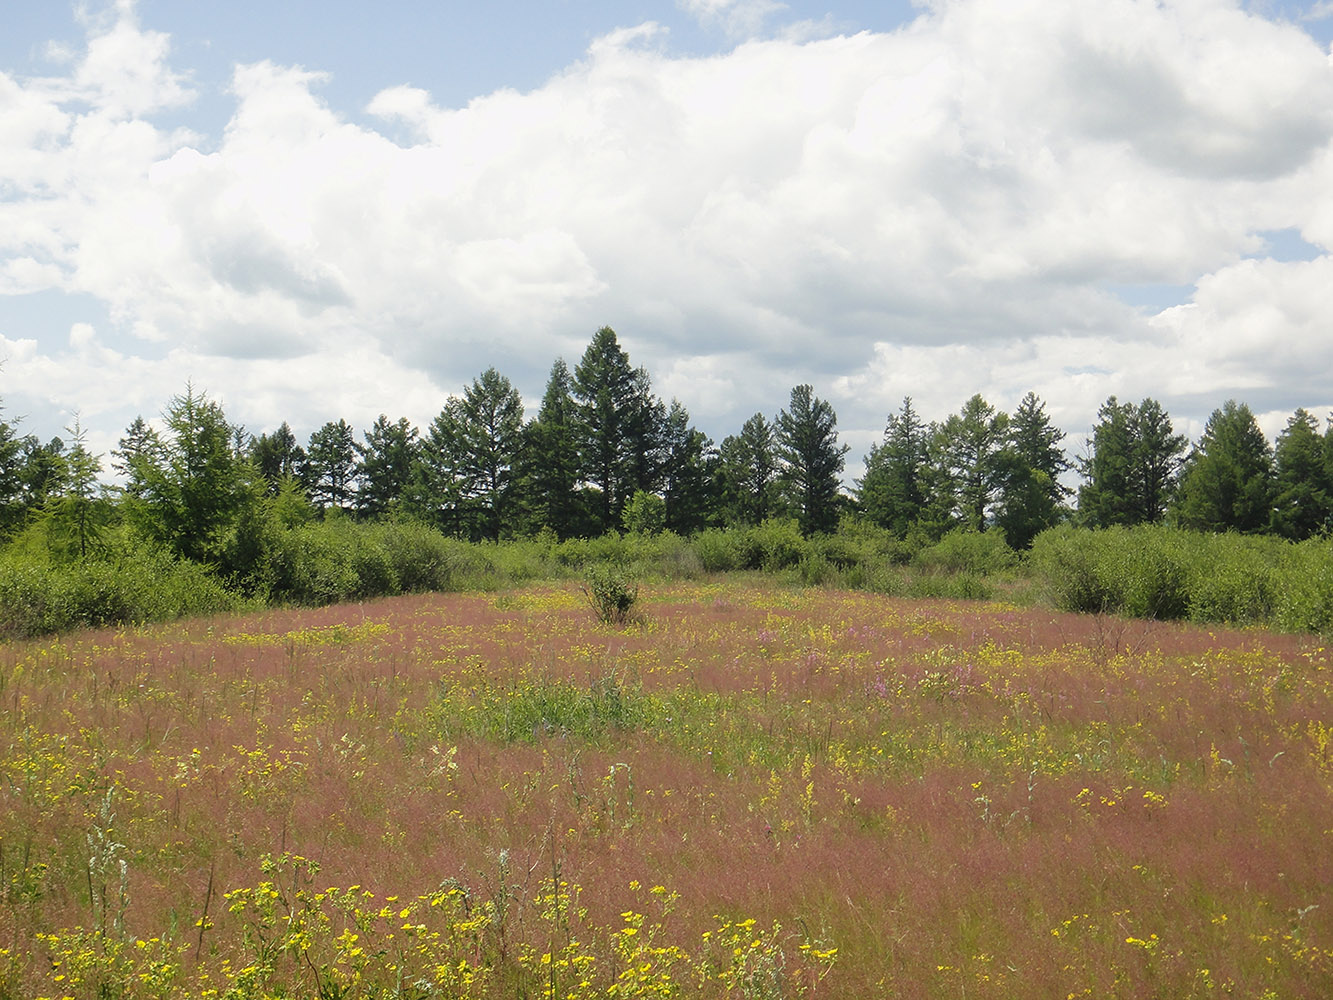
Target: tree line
(604, 453)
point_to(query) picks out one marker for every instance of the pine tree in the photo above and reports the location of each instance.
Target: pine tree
(687, 473)
(747, 473)
(277, 457)
(141, 447)
(1131, 473)
(893, 492)
(1227, 484)
(76, 520)
(966, 450)
(329, 471)
(467, 462)
(191, 496)
(1303, 492)
(1032, 497)
(385, 468)
(618, 426)
(549, 460)
(810, 459)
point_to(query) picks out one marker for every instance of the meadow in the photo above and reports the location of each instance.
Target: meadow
(751, 789)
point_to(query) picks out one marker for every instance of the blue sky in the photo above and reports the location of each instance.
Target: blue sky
(336, 209)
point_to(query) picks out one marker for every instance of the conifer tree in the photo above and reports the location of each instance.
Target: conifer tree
(1303, 500)
(810, 460)
(1227, 484)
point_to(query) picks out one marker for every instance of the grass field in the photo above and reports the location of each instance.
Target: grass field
(752, 791)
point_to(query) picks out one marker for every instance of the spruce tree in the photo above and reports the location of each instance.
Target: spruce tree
(1303, 492)
(1227, 484)
(893, 492)
(810, 459)
(549, 462)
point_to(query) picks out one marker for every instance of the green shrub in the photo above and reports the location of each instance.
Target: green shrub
(718, 549)
(1304, 598)
(1067, 560)
(965, 551)
(611, 594)
(644, 514)
(775, 544)
(125, 587)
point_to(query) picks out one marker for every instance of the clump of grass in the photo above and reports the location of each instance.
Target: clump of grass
(611, 594)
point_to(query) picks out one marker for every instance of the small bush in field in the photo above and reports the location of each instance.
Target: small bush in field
(611, 594)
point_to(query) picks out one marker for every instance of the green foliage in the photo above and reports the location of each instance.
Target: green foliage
(1130, 473)
(533, 710)
(893, 492)
(611, 594)
(644, 514)
(1227, 484)
(967, 463)
(719, 549)
(1154, 571)
(140, 584)
(617, 425)
(775, 544)
(965, 551)
(1303, 485)
(810, 459)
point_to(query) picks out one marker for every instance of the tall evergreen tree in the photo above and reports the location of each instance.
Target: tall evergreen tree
(467, 462)
(967, 458)
(11, 481)
(1155, 462)
(1303, 500)
(277, 457)
(810, 459)
(386, 465)
(1032, 497)
(549, 460)
(893, 492)
(76, 520)
(1227, 484)
(618, 426)
(140, 448)
(191, 498)
(687, 472)
(329, 472)
(1130, 474)
(747, 472)
(45, 471)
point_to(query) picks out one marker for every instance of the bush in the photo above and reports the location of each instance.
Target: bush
(718, 549)
(775, 544)
(1304, 599)
(1234, 579)
(611, 594)
(1067, 560)
(125, 588)
(965, 551)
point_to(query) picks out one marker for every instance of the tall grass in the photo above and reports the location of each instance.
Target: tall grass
(761, 791)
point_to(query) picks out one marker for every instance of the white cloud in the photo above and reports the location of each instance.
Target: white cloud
(938, 211)
(738, 18)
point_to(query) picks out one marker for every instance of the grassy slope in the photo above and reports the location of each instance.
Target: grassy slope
(963, 799)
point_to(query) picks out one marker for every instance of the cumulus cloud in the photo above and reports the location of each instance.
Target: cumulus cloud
(940, 210)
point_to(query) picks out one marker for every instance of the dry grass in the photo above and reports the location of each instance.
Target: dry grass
(964, 799)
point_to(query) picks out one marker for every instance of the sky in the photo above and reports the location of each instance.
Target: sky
(323, 210)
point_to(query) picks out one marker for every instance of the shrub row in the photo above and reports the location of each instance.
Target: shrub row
(314, 563)
(127, 588)
(1166, 573)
